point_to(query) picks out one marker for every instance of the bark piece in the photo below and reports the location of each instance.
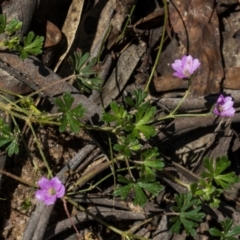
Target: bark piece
(121, 73)
(232, 80)
(168, 83)
(70, 26)
(197, 26)
(98, 211)
(21, 10)
(38, 221)
(34, 74)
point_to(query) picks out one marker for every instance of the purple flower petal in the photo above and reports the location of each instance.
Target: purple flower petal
(216, 112)
(187, 64)
(185, 59)
(195, 65)
(230, 112)
(61, 192)
(177, 66)
(43, 182)
(179, 75)
(185, 67)
(56, 183)
(50, 199)
(39, 195)
(228, 105)
(224, 107)
(50, 190)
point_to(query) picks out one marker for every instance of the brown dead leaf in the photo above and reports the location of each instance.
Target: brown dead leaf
(232, 80)
(53, 35)
(168, 83)
(197, 26)
(70, 26)
(152, 20)
(121, 73)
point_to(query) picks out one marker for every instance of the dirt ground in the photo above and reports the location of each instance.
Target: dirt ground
(125, 36)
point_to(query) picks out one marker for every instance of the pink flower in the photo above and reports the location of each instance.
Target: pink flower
(50, 190)
(185, 67)
(224, 106)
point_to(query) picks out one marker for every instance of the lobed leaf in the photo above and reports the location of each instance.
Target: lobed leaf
(138, 187)
(70, 117)
(215, 169)
(228, 231)
(31, 45)
(188, 214)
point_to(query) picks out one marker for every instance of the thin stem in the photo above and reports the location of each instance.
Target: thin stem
(121, 233)
(48, 86)
(97, 183)
(160, 46)
(176, 180)
(97, 128)
(134, 228)
(12, 105)
(70, 219)
(17, 178)
(125, 27)
(112, 158)
(95, 217)
(40, 149)
(181, 101)
(8, 110)
(128, 168)
(103, 41)
(90, 174)
(10, 93)
(193, 115)
(184, 115)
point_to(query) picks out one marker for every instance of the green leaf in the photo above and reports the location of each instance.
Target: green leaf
(138, 187)
(123, 179)
(31, 45)
(215, 232)
(12, 43)
(207, 191)
(126, 145)
(123, 191)
(12, 148)
(137, 99)
(188, 214)
(228, 231)
(64, 123)
(73, 123)
(84, 70)
(143, 116)
(9, 137)
(78, 60)
(13, 26)
(176, 227)
(70, 117)
(215, 170)
(26, 204)
(5, 129)
(140, 197)
(226, 180)
(233, 232)
(153, 187)
(118, 115)
(92, 83)
(3, 22)
(227, 224)
(151, 162)
(4, 139)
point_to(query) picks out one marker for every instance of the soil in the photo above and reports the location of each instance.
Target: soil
(125, 36)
